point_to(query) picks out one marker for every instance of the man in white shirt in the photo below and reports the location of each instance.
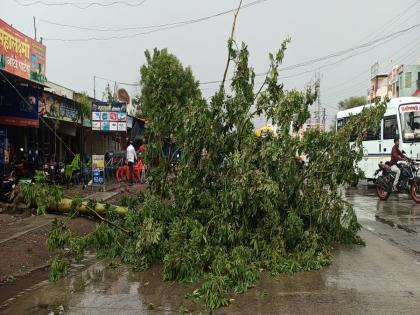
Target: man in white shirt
(131, 158)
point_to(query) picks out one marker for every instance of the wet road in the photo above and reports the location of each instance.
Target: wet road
(381, 278)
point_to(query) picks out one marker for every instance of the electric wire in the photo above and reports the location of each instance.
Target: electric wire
(388, 24)
(156, 28)
(80, 5)
(377, 42)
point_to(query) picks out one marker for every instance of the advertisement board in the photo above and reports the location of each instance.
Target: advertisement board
(16, 111)
(55, 107)
(21, 55)
(98, 169)
(109, 117)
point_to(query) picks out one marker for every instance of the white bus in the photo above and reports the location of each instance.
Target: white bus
(402, 118)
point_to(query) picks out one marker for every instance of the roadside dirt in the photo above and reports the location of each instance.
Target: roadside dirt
(25, 258)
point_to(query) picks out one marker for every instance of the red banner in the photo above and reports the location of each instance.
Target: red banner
(21, 55)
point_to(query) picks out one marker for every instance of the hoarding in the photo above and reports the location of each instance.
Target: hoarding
(109, 116)
(21, 55)
(55, 107)
(17, 111)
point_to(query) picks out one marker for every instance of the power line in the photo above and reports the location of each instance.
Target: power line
(81, 5)
(365, 72)
(390, 22)
(121, 83)
(177, 23)
(155, 28)
(377, 42)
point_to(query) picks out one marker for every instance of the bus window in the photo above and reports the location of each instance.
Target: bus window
(340, 123)
(410, 125)
(390, 127)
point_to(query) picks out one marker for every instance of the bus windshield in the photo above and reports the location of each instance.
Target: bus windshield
(410, 122)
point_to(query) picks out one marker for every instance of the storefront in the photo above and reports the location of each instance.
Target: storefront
(22, 78)
(60, 124)
(19, 101)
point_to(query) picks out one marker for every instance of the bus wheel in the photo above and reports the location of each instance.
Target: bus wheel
(382, 194)
(415, 192)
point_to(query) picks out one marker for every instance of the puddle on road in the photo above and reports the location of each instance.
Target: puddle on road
(102, 290)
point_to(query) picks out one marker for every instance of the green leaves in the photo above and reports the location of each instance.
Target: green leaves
(40, 194)
(238, 204)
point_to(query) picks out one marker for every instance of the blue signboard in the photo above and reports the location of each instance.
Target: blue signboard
(98, 170)
(109, 116)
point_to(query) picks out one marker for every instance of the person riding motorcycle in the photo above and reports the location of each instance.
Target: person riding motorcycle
(396, 156)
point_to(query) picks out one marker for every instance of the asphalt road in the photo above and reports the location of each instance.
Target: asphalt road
(381, 278)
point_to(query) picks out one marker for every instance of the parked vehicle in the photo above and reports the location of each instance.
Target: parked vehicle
(402, 118)
(54, 173)
(408, 182)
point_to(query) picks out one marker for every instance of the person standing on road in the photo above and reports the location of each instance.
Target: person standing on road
(396, 156)
(131, 158)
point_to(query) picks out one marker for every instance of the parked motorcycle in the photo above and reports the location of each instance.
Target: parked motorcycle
(54, 173)
(409, 181)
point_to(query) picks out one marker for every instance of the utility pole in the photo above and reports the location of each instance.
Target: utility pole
(324, 116)
(94, 87)
(35, 27)
(318, 120)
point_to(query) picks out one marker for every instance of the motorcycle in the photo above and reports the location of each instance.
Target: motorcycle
(409, 181)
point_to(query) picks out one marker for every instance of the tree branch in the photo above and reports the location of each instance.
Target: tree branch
(230, 40)
(107, 221)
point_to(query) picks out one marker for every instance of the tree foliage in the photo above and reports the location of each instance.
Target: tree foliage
(240, 204)
(108, 94)
(352, 101)
(85, 104)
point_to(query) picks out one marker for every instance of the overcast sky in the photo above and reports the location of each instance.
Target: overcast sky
(317, 28)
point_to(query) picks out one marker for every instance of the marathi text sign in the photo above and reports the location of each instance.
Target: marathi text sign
(109, 116)
(21, 55)
(410, 108)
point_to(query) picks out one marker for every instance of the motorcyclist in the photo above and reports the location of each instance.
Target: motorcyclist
(396, 156)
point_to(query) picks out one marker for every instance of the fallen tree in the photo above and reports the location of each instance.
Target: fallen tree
(240, 204)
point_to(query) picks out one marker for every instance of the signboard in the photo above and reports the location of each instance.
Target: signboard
(52, 106)
(98, 169)
(129, 122)
(16, 111)
(410, 108)
(123, 96)
(109, 116)
(21, 55)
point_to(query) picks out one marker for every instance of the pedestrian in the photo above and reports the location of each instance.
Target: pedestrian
(131, 158)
